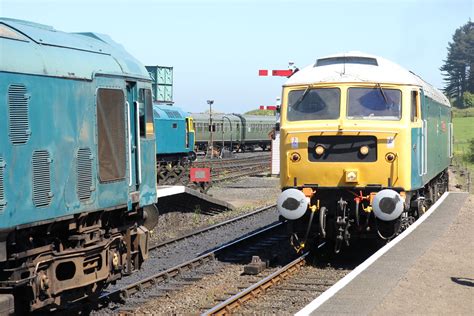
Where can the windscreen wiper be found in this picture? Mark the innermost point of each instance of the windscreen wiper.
(383, 94)
(301, 98)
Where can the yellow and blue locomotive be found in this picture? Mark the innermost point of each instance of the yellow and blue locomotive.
(77, 164)
(365, 147)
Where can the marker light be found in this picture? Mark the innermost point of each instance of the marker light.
(319, 150)
(390, 157)
(295, 157)
(364, 150)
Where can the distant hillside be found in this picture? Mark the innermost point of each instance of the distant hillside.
(260, 112)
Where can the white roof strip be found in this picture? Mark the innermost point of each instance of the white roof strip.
(361, 67)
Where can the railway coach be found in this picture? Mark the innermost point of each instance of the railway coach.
(365, 147)
(77, 164)
(241, 132)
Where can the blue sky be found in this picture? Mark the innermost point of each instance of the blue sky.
(216, 47)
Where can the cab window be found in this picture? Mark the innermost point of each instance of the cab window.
(414, 110)
(314, 104)
(146, 114)
(374, 103)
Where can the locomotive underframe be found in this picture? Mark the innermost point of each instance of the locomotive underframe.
(58, 263)
(336, 217)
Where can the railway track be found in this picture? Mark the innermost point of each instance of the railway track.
(226, 169)
(257, 289)
(221, 169)
(126, 290)
(228, 222)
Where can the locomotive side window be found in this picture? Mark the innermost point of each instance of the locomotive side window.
(10, 33)
(146, 114)
(414, 108)
(374, 103)
(314, 104)
(111, 134)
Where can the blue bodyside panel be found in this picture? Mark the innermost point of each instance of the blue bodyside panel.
(62, 120)
(430, 145)
(148, 194)
(416, 181)
(170, 130)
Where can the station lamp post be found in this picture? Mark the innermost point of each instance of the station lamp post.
(210, 146)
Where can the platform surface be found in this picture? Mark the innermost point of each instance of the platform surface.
(181, 197)
(429, 270)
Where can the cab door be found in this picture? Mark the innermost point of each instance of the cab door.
(133, 132)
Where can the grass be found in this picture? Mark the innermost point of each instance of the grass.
(463, 121)
(469, 112)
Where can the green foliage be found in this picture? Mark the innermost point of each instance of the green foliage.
(467, 112)
(470, 153)
(261, 112)
(463, 139)
(468, 99)
(458, 68)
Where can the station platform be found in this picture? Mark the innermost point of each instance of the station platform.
(426, 270)
(181, 198)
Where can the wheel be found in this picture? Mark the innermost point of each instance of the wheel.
(322, 221)
(150, 215)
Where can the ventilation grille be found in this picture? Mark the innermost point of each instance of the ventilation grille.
(156, 114)
(84, 173)
(18, 125)
(41, 178)
(172, 114)
(2, 192)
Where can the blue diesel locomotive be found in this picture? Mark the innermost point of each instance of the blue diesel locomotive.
(77, 164)
(174, 144)
(174, 130)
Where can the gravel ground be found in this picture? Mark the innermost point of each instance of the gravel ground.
(284, 299)
(246, 194)
(254, 192)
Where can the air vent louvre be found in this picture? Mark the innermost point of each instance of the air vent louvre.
(2, 192)
(18, 124)
(172, 114)
(84, 173)
(42, 194)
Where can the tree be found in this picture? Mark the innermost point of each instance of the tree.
(458, 67)
(468, 99)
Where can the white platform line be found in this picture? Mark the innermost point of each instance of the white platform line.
(364, 265)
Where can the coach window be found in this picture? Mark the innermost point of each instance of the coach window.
(111, 134)
(414, 106)
(314, 104)
(146, 114)
(375, 103)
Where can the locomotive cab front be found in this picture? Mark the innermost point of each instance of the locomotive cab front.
(354, 152)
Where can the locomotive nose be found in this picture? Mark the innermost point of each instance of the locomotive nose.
(292, 204)
(388, 205)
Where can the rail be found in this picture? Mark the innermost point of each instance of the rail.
(255, 290)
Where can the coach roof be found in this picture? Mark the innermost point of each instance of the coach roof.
(360, 67)
(33, 48)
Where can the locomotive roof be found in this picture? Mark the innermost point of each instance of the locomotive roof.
(33, 48)
(361, 67)
(169, 112)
